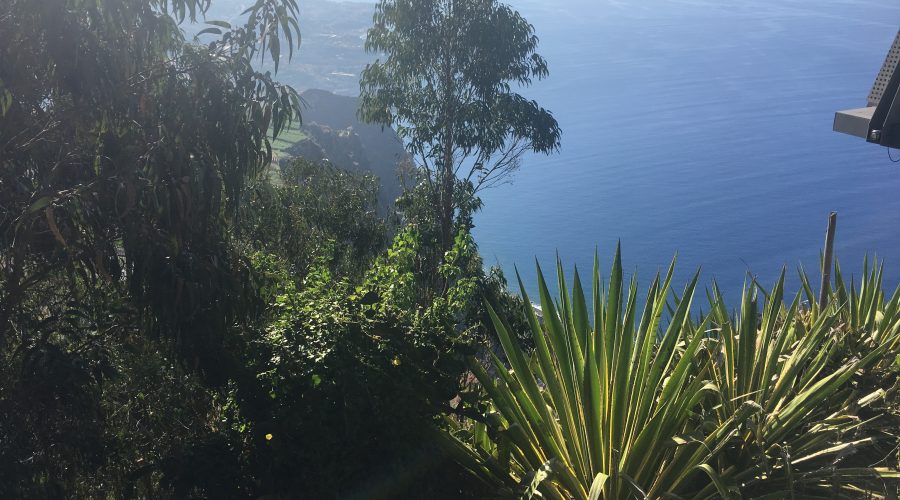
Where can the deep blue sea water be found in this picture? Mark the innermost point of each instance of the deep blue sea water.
(702, 128)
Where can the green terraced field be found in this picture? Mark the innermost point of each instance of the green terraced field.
(286, 139)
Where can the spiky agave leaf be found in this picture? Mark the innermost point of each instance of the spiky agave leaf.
(603, 403)
(621, 403)
(797, 367)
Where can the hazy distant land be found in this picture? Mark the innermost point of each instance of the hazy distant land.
(331, 55)
(326, 70)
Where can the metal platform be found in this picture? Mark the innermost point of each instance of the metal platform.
(854, 121)
(879, 122)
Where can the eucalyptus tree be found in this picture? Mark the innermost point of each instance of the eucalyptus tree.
(447, 82)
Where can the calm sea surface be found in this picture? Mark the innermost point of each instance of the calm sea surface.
(702, 128)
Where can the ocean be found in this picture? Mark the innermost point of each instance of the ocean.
(702, 129)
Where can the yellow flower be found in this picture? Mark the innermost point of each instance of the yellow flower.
(396, 361)
(268, 437)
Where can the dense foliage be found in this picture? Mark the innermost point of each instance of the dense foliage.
(124, 154)
(166, 296)
(304, 211)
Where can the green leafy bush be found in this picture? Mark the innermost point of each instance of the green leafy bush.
(311, 211)
(354, 378)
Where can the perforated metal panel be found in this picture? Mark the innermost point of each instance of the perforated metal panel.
(887, 69)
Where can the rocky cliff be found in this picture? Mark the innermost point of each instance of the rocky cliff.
(333, 133)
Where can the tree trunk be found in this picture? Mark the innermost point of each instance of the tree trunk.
(448, 178)
(447, 205)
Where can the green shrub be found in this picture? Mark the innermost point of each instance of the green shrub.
(350, 381)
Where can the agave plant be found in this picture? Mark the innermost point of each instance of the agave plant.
(795, 367)
(617, 402)
(872, 318)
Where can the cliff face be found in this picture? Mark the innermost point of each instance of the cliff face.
(333, 132)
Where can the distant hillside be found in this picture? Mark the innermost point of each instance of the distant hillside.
(331, 56)
(331, 131)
